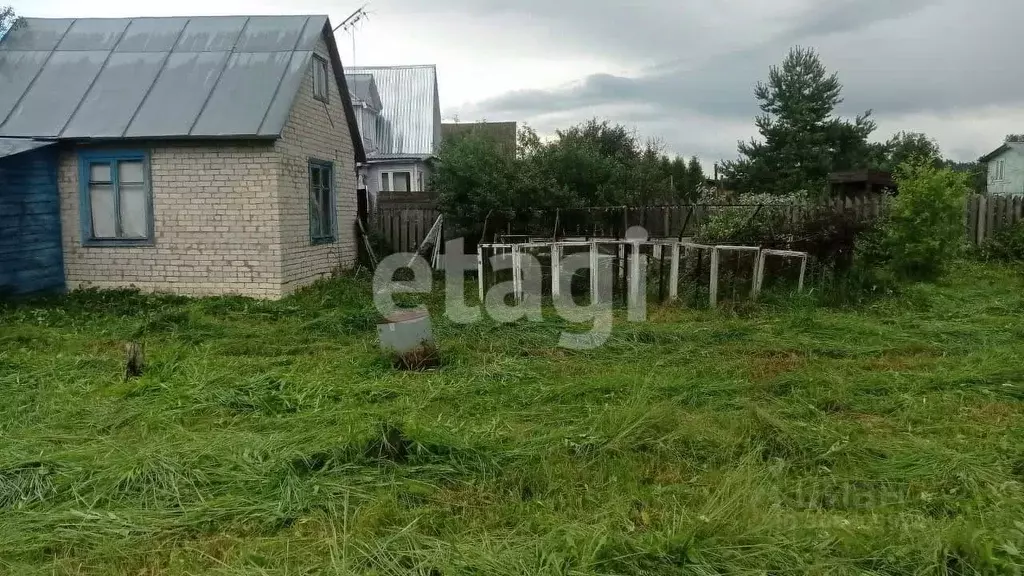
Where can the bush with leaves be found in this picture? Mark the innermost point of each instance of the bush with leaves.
(1007, 245)
(922, 229)
(596, 163)
(757, 220)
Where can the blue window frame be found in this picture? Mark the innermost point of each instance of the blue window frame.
(323, 221)
(115, 198)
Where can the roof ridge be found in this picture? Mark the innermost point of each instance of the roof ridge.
(394, 67)
(191, 16)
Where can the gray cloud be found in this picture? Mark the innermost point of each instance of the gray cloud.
(946, 58)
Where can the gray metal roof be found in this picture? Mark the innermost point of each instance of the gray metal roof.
(12, 146)
(999, 151)
(364, 90)
(411, 109)
(214, 76)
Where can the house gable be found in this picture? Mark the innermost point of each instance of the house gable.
(323, 132)
(1006, 169)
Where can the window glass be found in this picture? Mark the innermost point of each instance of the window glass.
(401, 181)
(319, 78)
(99, 172)
(130, 172)
(134, 216)
(101, 203)
(321, 213)
(116, 194)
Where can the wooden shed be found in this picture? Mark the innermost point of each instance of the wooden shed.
(859, 182)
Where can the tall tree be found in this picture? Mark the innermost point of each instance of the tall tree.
(905, 146)
(694, 179)
(977, 174)
(801, 138)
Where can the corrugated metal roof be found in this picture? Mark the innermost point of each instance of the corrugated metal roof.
(217, 76)
(12, 146)
(411, 108)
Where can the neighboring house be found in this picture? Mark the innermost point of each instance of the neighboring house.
(504, 133)
(206, 155)
(399, 115)
(1005, 169)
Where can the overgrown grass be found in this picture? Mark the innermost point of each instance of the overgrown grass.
(272, 438)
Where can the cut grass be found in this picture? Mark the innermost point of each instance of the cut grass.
(273, 438)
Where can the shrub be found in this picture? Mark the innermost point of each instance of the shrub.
(1006, 245)
(761, 220)
(768, 221)
(923, 225)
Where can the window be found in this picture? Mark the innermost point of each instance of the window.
(115, 193)
(322, 220)
(396, 181)
(320, 91)
(1000, 167)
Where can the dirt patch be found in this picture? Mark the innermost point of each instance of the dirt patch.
(769, 365)
(426, 357)
(899, 362)
(871, 421)
(994, 412)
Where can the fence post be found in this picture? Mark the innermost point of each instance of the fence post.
(673, 287)
(556, 270)
(637, 298)
(758, 274)
(713, 283)
(480, 272)
(982, 212)
(517, 295)
(593, 273)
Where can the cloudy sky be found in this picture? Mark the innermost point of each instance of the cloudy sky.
(681, 71)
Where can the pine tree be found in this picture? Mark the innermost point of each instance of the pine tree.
(801, 139)
(695, 176)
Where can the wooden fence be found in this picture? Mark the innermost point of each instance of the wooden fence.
(987, 215)
(404, 221)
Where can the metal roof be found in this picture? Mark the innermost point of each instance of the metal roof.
(364, 90)
(395, 157)
(191, 77)
(999, 151)
(411, 108)
(12, 146)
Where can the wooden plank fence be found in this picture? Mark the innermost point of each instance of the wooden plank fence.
(404, 223)
(988, 215)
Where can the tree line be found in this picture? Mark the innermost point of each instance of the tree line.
(595, 163)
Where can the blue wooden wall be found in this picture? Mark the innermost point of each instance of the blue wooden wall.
(31, 258)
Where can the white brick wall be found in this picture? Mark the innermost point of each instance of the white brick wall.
(229, 217)
(320, 131)
(216, 224)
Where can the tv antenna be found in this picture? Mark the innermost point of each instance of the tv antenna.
(349, 25)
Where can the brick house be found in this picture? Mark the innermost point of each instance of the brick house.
(201, 156)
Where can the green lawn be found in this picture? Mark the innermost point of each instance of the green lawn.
(788, 439)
